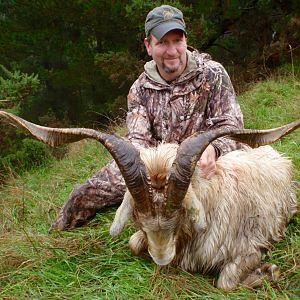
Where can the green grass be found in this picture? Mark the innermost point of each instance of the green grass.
(86, 263)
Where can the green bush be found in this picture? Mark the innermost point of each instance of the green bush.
(16, 86)
(31, 154)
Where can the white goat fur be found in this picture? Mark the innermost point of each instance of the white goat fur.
(229, 219)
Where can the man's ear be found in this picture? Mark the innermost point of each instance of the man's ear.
(148, 46)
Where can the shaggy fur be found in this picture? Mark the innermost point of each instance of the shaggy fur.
(221, 224)
(224, 224)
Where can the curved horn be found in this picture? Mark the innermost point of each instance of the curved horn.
(190, 150)
(124, 153)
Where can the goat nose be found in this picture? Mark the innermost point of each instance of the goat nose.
(162, 259)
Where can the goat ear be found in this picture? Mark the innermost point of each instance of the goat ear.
(196, 210)
(123, 214)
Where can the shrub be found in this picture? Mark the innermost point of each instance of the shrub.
(31, 154)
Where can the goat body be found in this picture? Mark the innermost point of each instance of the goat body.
(219, 224)
(225, 223)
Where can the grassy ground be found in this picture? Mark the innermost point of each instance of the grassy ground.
(87, 263)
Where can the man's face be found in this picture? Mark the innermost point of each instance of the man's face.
(169, 53)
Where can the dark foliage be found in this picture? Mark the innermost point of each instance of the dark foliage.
(87, 54)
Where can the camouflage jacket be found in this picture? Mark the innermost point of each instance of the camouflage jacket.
(201, 98)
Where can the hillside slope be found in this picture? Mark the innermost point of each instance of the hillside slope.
(87, 263)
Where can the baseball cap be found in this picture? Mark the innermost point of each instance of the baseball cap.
(163, 19)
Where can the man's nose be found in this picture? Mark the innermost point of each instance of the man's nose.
(171, 50)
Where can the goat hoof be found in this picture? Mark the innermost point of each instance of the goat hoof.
(272, 271)
(268, 272)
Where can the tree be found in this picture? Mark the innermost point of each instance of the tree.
(88, 53)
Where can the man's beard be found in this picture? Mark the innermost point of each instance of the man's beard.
(171, 70)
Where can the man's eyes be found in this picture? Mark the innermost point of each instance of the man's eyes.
(177, 41)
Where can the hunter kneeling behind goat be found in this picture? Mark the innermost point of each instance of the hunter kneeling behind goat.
(223, 224)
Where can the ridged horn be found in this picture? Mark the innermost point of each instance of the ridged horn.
(190, 150)
(124, 153)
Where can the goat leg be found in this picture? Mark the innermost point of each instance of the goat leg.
(237, 270)
(138, 244)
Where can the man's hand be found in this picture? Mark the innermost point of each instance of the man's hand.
(207, 161)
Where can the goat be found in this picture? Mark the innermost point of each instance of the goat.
(222, 224)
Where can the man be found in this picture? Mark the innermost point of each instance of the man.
(179, 93)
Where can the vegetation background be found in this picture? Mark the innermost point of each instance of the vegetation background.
(71, 63)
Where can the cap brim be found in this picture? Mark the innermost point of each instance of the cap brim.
(163, 28)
